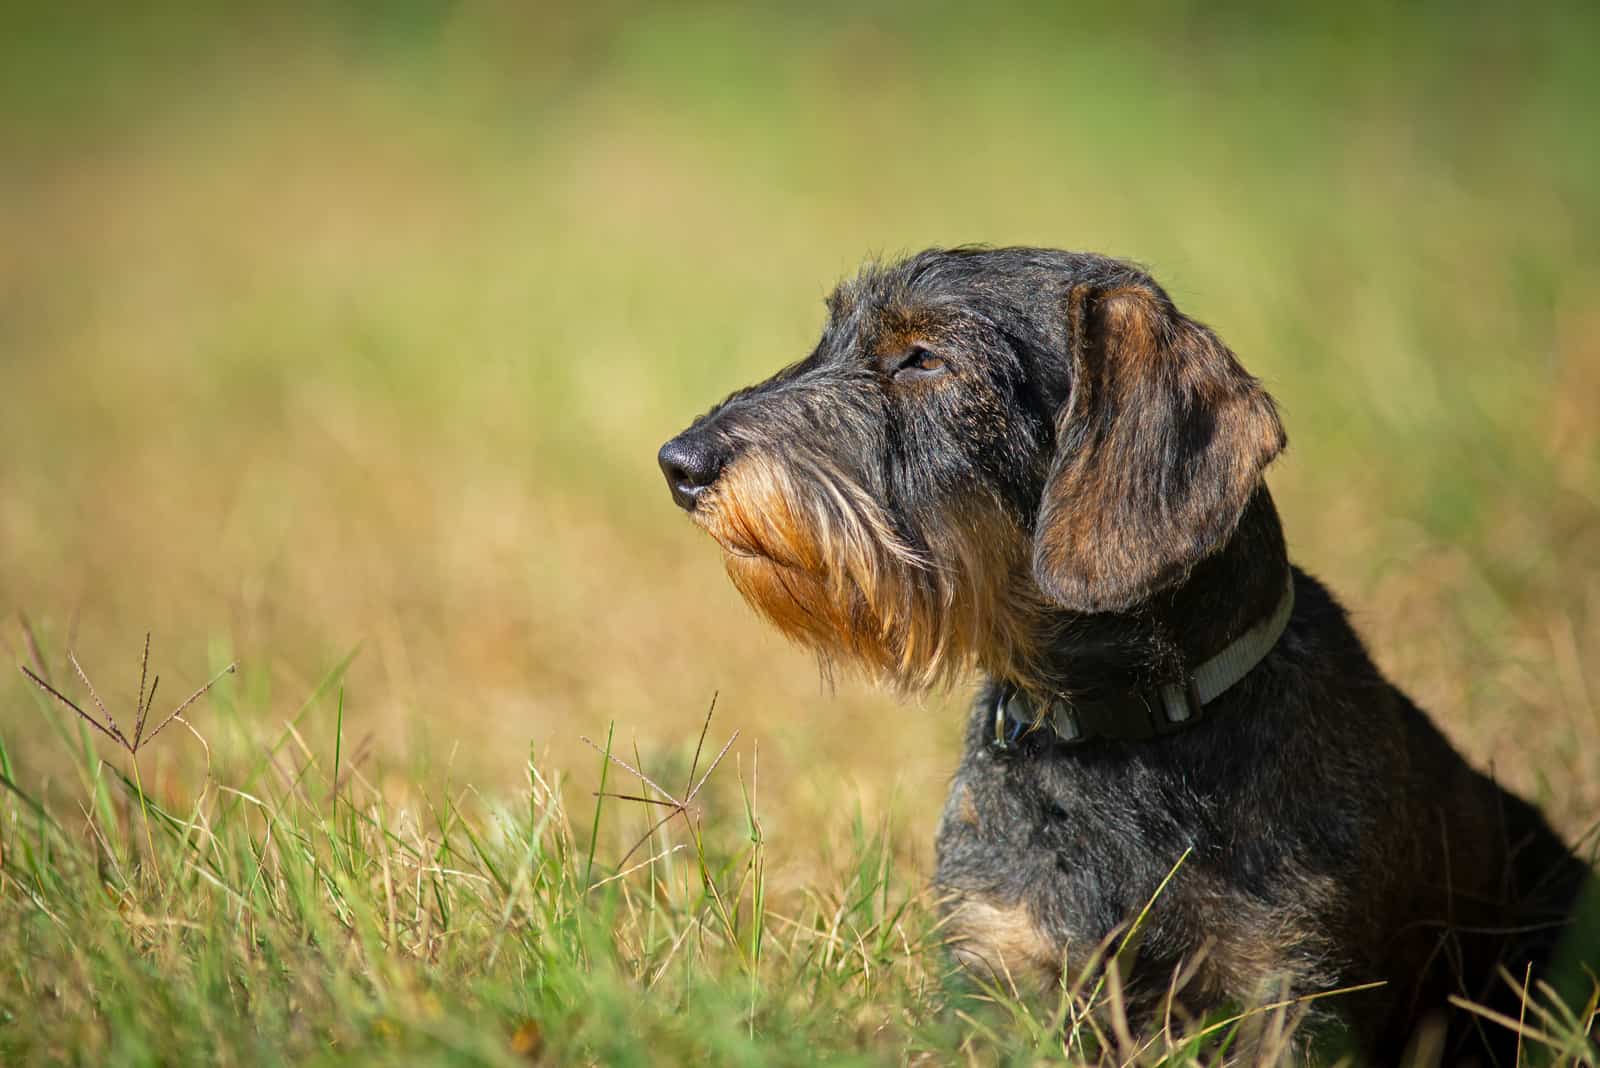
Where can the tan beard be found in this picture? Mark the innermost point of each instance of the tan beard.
(821, 562)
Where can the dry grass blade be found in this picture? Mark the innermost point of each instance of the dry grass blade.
(64, 699)
(673, 804)
(1118, 1013)
(192, 698)
(678, 808)
(640, 798)
(107, 725)
(699, 747)
(630, 769)
(31, 640)
(139, 706)
(625, 872)
(1522, 1029)
(138, 730)
(111, 722)
(734, 737)
(1522, 1007)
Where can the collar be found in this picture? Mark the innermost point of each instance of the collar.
(1148, 712)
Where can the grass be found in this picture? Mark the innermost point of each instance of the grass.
(338, 343)
(286, 913)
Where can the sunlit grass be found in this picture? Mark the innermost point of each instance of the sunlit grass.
(345, 331)
(291, 907)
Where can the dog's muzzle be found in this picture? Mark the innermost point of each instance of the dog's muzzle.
(691, 463)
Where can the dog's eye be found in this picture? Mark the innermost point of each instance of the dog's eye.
(920, 363)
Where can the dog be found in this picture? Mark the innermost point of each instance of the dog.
(1031, 465)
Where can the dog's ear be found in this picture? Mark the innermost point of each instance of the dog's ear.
(1159, 446)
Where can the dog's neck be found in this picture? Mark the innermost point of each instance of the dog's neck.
(1161, 640)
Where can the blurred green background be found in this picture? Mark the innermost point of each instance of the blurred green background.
(360, 323)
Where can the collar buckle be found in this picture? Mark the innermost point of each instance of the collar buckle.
(1180, 704)
(1148, 711)
(1145, 712)
(1011, 720)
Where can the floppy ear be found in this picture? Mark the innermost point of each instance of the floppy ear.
(1159, 446)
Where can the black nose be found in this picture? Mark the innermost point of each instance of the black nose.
(691, 463)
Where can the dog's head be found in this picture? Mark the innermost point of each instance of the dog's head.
(981, 439)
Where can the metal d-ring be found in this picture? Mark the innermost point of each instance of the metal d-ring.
(1001, 699)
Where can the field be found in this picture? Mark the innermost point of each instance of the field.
(338, 343)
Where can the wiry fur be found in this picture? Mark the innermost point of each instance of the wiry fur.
(1033, 464)
(824, 564)
(1162, 441)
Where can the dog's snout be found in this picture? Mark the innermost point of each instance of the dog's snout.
(691, 462)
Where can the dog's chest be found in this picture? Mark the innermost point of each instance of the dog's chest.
(1057, 852)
